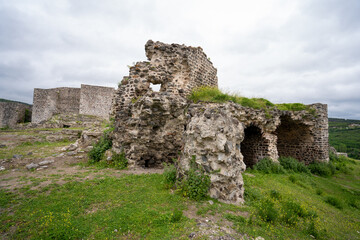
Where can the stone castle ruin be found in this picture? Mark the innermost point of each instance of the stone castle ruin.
(86, 100)
(153, 127)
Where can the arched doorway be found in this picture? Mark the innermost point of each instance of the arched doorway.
(254, 147)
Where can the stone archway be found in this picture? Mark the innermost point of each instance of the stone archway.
(294, 139)
(254, 147)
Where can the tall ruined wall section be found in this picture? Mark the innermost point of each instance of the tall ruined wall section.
(49, 102)
(96, 100)
(149, 124)
(12, 113)
(177, 68)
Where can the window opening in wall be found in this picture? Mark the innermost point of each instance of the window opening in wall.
(155, 87)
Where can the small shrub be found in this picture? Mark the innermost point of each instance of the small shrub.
(334, 202)
(267, 211)
(322, 169)
(98, 150)
(196, 184)
(119, 160)
(266, 165)
(169, 175)
(293, 165)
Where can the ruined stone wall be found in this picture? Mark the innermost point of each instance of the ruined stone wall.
(177, 68)
(12, 113)
(96, 100)
(227, 138)
(150, 133)
(155, 127)
(48, 102)
(149, 124)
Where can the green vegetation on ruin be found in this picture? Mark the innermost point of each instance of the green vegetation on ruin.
(344, 135)
(213, 94)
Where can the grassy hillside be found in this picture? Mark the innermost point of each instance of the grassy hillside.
(110, 204)
(344, 135)
(6, 100)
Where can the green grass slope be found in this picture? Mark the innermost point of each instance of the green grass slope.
(289, 205)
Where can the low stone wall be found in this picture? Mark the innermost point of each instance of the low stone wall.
(12, 113)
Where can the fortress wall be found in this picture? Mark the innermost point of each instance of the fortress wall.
(12, 113)
(48, 102)
(96, 100)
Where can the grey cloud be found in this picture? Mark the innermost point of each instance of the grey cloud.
(299, 51)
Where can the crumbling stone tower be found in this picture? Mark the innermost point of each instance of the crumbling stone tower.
(153, 127)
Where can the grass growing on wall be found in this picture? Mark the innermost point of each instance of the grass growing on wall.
(213, 94)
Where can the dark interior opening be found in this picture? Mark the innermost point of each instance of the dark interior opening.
(147, 163)
(66, 126)
(254, 147)
(294, 140)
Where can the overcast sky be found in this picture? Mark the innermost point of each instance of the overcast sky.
(286, 51)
